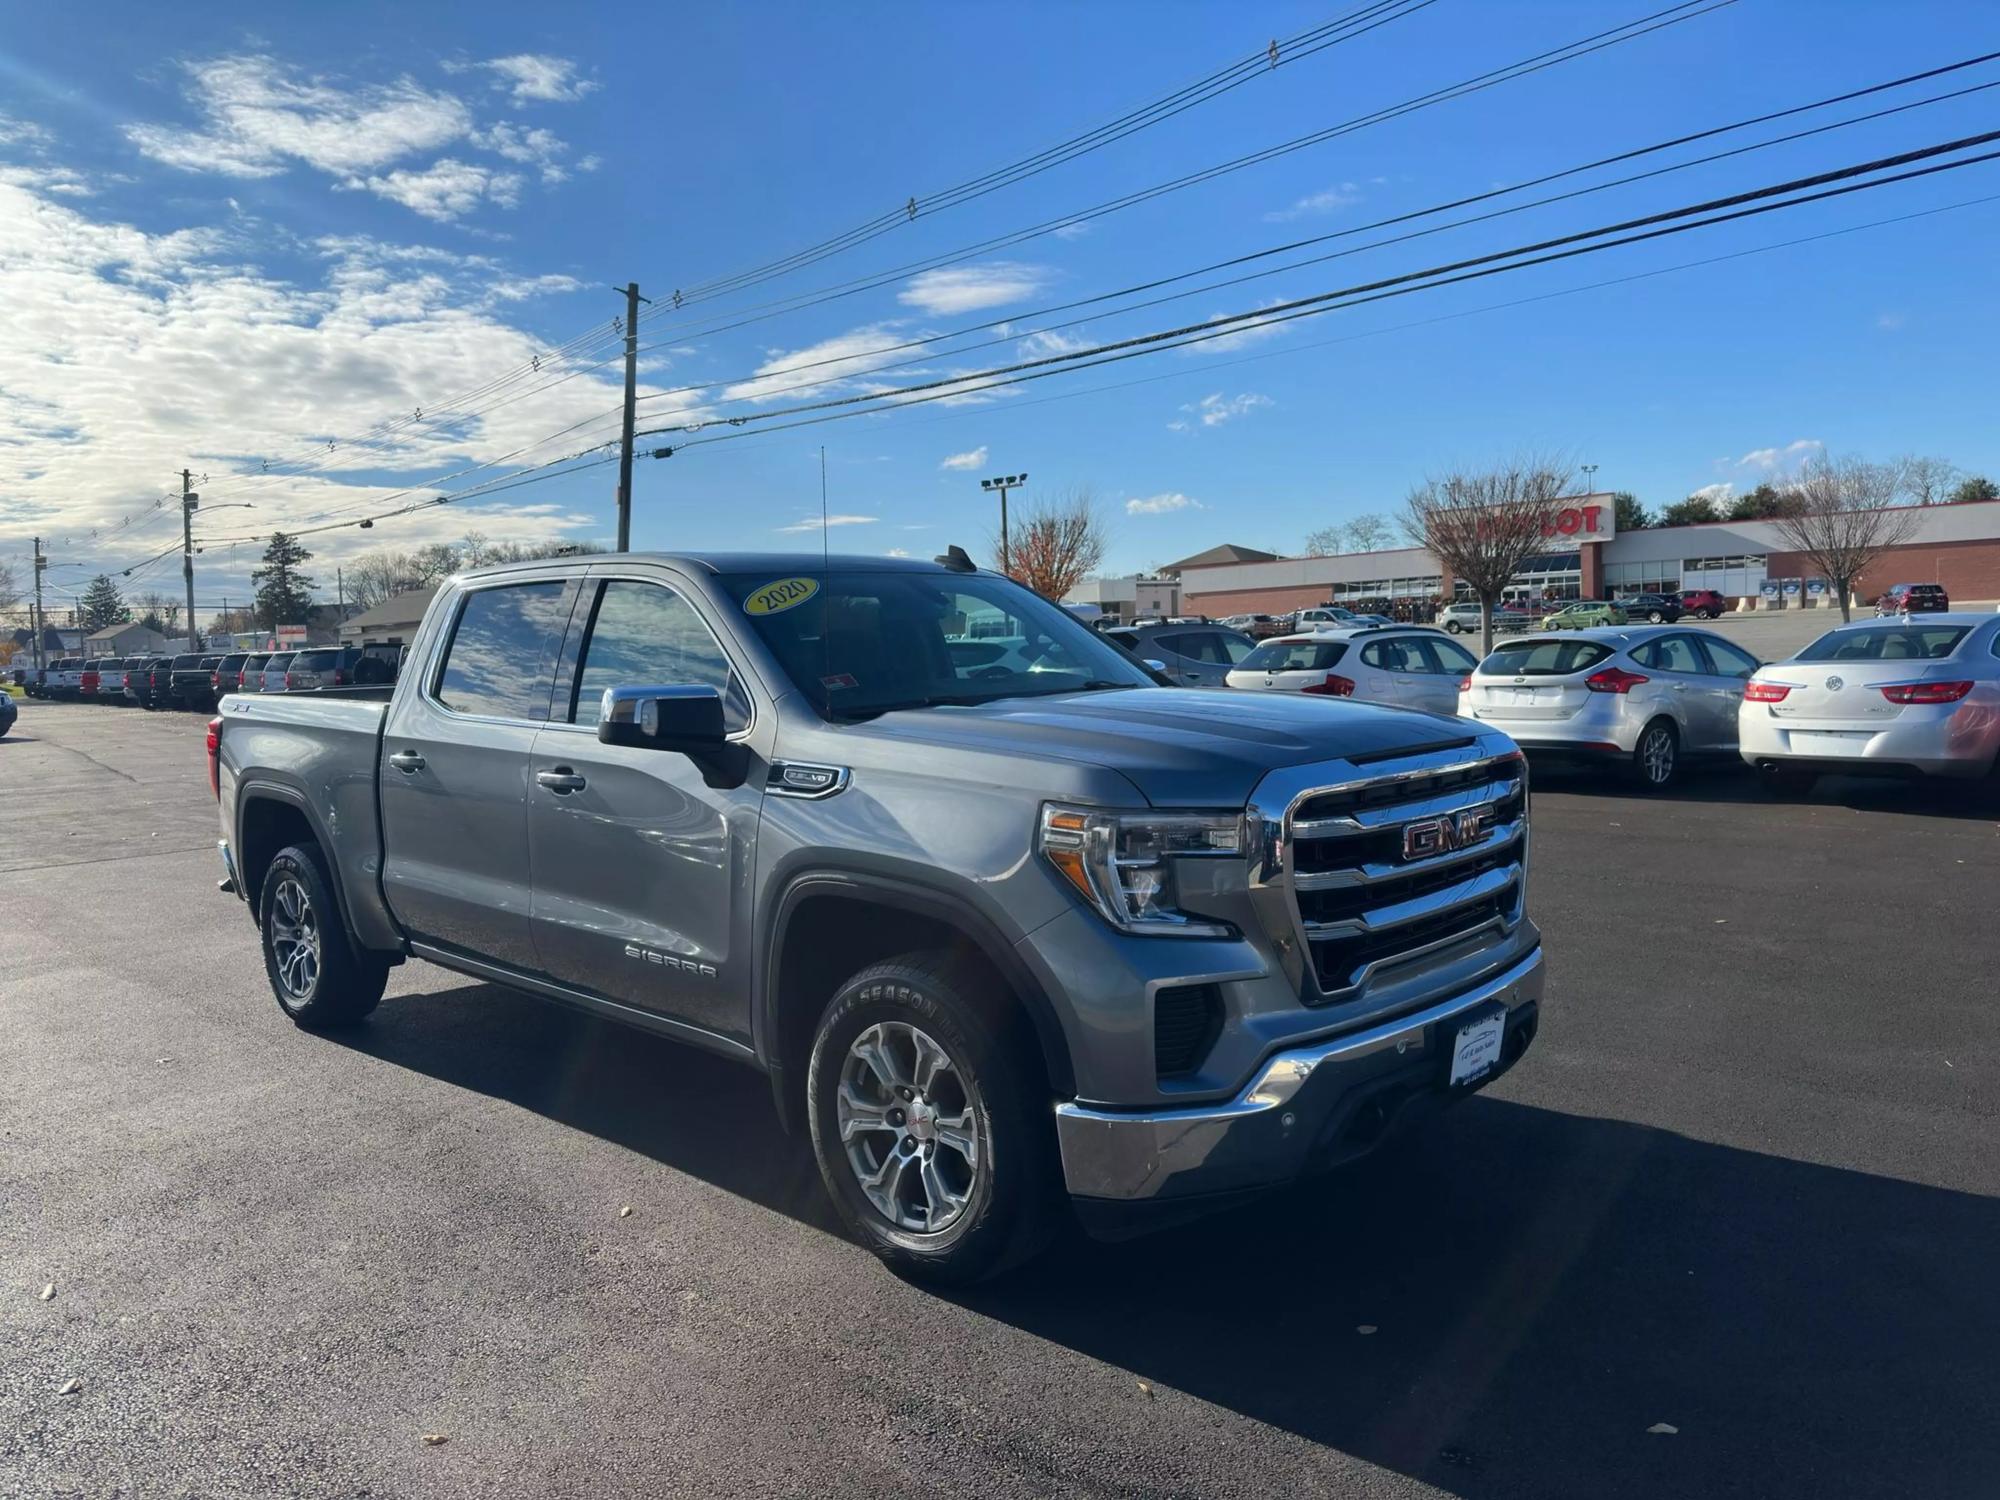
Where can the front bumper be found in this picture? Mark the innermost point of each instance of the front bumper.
(1308, 1107)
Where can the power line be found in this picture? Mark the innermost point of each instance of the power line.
(1563, 248)
(1264, 60)
(1553, 57)
(1017, 333)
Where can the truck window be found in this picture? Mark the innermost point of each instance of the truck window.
(501, 660)
(646, 635)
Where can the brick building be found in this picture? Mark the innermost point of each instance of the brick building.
(1956, 545)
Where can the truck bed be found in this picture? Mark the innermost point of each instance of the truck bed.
(322, 753)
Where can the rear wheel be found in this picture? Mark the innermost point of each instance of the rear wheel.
(1656, 761)
(318, 977)
(930, 1121)
(1656, 617)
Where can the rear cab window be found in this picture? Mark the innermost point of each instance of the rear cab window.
(1544, 658)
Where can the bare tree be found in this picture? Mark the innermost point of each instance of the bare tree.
(1928, 481)
(1835, 516)
(1483, 524)
(10, 586)
(1056, 545)
(1367, 533)
(1327, 541)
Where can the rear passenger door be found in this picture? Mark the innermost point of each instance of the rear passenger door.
(641, 869)
(1729, 667)
(454, 773)
(1675, 661)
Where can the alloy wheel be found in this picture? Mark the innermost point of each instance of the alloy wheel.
(909, 1123)
(295, 939)
(1656, 755)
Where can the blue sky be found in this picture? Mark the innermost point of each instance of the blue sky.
(226, 241)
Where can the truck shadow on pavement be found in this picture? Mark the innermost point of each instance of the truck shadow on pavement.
(1723, 781)
(1501, 1303)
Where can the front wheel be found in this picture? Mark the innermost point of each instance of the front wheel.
(1656, 617)
(930, 1121)
(1657, 759)
(318, 977)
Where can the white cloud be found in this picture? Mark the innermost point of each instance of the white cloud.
(1160, 505)
(262, 117)
(839, 359)
(812, 523)
(1325, 201)
(537, 77)
(121, 344)
(447, 189)
(1241, 335)
(1890, 322)
(897, 552)
(1046, 341)
(1772, 459)
(971, 460)
(962, 289)
(1714, 494)
(1214, 410)
(1071, 231)
(15, 131)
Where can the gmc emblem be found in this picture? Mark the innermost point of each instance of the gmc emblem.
(1441, 835)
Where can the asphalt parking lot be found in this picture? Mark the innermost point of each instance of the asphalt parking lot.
(1746, 1187)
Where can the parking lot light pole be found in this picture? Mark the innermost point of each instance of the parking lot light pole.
(1004, 483)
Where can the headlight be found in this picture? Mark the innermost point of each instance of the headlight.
(1123, 863)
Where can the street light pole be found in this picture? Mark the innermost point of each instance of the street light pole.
(1589, 478)
(1004, 483)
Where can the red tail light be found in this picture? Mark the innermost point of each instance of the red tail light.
(215, 758)
(1614, 680)
(1335, 686)
(1465, 683)
(1766, 692)
(288, 682)
(215, 682)
(1926, 692)
(340, 677)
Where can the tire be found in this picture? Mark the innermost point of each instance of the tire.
(988, 1091)
(1787, 782)
(1452, 627)
(328, 984)
(1656, 759)
(1656, 618)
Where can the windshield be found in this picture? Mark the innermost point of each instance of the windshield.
(1886, 643)
(858, 644)
(1543, 658)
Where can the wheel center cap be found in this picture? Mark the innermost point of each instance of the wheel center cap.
(921, 1119)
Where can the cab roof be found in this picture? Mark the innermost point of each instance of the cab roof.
(739, 564)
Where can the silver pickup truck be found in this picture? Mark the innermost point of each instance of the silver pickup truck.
(997, 913)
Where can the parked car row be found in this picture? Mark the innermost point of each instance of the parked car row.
(196, 681)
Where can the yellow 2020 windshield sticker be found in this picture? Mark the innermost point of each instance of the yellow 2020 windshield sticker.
(774, 598)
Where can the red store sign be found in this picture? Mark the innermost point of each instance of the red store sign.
(1588, 522)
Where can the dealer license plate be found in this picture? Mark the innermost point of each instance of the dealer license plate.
(1477, 1049)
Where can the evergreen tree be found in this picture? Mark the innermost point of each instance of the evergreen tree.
(1632, 516)
(284, 594)
(1977, 488)
(102, 605)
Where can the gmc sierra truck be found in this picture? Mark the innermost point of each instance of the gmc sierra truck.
(996, 927)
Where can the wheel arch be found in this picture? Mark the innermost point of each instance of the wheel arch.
(271, 816)
(820, 915)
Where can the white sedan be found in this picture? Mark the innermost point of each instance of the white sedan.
(1409, 667)
(1901, 697)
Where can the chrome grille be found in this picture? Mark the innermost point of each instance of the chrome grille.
(1366, 895)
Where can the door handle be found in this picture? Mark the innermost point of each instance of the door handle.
(407, 761)
(562, 781)
(1679, 687)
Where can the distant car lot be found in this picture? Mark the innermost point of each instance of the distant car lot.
(1742, 1112)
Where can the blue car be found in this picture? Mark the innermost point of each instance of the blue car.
(8, 712)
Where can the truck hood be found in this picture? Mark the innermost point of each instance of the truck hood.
(1183, 747)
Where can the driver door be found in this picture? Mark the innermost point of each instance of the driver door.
(639, 867)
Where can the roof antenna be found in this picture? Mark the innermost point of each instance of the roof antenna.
(954, 557)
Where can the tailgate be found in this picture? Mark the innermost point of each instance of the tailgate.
(1503, 698)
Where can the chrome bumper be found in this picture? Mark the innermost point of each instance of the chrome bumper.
(1307, 1106)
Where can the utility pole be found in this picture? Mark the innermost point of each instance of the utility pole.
(189, 500)
(41, 565)
(632, 301)
(1003, 484)
(339, 592)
